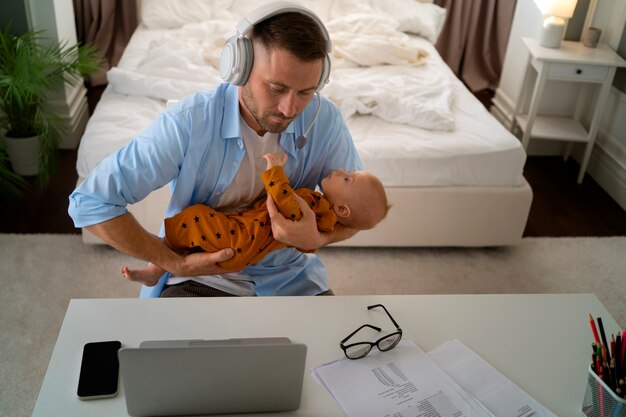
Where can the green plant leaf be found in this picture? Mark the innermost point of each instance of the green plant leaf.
(31, 68)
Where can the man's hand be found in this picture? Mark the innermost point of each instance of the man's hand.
(149, 276)
(127, 236)
(302, 234)
(202, 263)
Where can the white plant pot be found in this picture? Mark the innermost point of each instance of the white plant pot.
(23, 154)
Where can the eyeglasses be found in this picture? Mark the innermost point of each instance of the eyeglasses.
(361, 349)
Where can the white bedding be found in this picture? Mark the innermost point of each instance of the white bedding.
(423, 127)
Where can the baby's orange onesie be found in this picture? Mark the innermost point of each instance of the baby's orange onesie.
(247, 232)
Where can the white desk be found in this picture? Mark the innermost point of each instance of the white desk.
(540, 342)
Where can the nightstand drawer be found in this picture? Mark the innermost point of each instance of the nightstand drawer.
(577, 72)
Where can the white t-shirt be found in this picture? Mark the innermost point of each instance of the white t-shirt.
(246, 187)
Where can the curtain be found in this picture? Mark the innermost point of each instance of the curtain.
(108, 24)
(474, 38)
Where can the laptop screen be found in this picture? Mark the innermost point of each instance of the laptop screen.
(168, 378)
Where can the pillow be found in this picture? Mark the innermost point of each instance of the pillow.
(172, 14)
(241, 8)
(423, 19)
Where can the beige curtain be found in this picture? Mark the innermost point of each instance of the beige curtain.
(474, 38)
(108, 24)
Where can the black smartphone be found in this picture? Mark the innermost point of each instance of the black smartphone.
(99, 370)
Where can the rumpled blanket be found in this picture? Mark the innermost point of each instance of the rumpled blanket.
(376, 69)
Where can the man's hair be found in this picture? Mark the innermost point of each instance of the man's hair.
(297, 33)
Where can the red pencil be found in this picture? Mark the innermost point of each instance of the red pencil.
(593, 329)
(623, 354)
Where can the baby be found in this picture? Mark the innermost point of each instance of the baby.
(354, 199)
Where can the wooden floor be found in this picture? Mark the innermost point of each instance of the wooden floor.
(560, 206)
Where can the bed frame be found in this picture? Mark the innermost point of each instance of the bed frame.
(419, 217)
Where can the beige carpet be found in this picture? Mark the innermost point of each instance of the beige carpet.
(41, 273)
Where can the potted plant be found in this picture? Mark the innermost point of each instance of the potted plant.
(31, 67)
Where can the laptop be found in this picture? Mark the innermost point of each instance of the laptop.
(190, 377)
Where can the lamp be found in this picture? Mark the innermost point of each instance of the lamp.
(555, 13)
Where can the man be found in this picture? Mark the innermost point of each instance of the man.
(210, 148)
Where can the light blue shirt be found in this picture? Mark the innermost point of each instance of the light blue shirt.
(197, 147)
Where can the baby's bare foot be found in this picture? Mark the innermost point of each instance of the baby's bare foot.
(147, 276)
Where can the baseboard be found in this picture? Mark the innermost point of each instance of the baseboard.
(76, 122)
(71, 105)
(609, 173)
(502, 108)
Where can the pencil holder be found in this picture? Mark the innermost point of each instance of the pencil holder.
(600, 400)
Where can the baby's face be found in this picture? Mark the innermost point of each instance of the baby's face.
(340, 186)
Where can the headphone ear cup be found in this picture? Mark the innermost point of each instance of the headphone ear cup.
(247, 57)
(325, 74)
(236, 60)
(227, 59)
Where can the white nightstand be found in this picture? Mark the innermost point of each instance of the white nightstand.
(571, 62)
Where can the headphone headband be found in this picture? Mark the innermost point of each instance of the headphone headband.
(237, 55)
(268, 10)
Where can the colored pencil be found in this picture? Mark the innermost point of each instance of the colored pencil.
(623, 354)
(604, 342)
(592, 323)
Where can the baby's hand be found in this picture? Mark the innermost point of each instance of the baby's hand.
(274, 160)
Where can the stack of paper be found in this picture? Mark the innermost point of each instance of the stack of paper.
(407, 382)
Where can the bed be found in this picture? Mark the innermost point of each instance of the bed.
(452, 173)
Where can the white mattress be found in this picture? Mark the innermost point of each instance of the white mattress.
(479, 152)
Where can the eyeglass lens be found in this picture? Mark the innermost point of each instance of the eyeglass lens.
(360, 350)
(389, 342)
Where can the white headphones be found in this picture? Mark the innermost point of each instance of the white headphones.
(237, 55)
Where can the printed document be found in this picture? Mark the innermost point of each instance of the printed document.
(402, 382)
(499, 394)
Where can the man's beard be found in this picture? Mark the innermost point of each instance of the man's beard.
(264, 119)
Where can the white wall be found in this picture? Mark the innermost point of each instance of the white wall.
(56, 18)
(608, 161)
